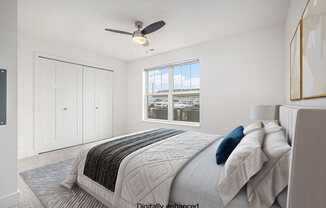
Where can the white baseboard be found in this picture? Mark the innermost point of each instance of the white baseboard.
(26, 153)
(9, 200)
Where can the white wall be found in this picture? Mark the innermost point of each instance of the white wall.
(295, 11)
(235, 72)
(28, 45)
(9, 194)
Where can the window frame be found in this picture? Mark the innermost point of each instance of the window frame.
(170, 93)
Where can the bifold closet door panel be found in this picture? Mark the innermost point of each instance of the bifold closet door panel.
(104, 104)
(97, 104)
(72, 104)
(89, 133)
(48, 94)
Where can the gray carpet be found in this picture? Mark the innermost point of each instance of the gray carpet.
(45, 183)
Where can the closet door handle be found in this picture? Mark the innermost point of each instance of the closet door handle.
(96, 108)
(64, 108)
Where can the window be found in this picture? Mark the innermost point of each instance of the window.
(172, 92)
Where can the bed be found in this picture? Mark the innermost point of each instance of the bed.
(192, 179)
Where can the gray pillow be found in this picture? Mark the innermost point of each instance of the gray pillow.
(263, 188)
(244, 162)
(253, 127)
(282, 198)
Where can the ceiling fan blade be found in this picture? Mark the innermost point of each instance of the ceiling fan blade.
(153, 27)
(146, 44)
(119, 31)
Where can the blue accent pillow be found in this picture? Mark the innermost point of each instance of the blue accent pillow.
(228, 145)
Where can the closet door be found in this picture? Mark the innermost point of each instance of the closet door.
(97, 104)
(48, 102)
(58, 105)
(104, 104)
(72, 104)
(89, 133)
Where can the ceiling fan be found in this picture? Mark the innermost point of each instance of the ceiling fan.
(139, 36)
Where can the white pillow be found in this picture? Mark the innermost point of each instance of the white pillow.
(272, 126)
(253, 127)
(265, 186)
(244, 162)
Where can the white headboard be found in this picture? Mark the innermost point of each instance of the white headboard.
(288, 118)
(306, 128)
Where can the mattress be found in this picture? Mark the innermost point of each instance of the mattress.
(197, 183)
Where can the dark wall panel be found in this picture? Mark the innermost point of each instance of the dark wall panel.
(3, 97)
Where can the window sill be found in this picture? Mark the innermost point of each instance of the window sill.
(180, 123)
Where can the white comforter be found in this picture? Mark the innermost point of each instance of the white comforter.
(146, 175)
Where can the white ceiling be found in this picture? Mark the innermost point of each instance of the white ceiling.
(188, 22)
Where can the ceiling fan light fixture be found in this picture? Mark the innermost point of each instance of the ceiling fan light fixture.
(139, 38)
